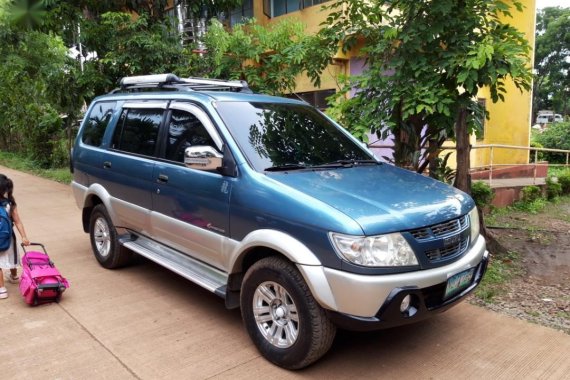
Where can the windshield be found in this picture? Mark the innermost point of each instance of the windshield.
(274, 135)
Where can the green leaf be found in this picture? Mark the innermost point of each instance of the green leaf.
(462, 76)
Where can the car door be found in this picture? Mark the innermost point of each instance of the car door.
(130, 161)
(190, 207)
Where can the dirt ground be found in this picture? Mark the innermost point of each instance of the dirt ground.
(540, 293)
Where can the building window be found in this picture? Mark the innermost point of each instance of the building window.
(241, 13)
(317, 99)
(274, 8)
(310, 3)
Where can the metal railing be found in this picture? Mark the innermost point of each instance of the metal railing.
(492, 149)
(535, 164)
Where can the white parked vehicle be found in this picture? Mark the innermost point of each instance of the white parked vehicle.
(547, 117)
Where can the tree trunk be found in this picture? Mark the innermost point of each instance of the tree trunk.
(463, 178)
(493, 244)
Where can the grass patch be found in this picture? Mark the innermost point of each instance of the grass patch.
(496, 217)
(23, 164)
(500, 271)
(563, 314)
(559, 208)
(533, 207)
(517, 215)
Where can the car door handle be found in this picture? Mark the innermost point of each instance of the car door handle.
(162, 178)
(107, 164)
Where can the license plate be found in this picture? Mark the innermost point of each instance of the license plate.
(458, 282)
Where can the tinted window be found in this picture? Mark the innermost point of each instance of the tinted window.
(137, 131)
(96, 123)
(185, 130)
(272, 134)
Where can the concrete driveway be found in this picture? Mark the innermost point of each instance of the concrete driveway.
(143, 322)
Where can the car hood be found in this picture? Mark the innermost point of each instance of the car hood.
(380, 198)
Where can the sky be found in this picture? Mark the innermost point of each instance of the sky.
(552, 3)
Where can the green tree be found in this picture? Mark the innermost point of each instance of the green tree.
(426, 62)
(552, 61)
(127, 47)
(268, 58)
(43, 91)
(40, 92)
(32, 67)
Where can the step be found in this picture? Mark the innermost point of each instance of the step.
(196, 271)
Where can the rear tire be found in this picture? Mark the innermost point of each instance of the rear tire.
(282, 318)
(106, 248)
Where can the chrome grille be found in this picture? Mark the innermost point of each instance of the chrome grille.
(421, 234)
(452, 250)
(441, 229)
(450, 237)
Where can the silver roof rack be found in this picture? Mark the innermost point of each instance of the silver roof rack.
(172, 82)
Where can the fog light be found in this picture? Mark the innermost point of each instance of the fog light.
(405, 304)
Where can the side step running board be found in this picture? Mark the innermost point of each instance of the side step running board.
(196, 271)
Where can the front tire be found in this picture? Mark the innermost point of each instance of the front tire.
(282, 318)
(106, 248)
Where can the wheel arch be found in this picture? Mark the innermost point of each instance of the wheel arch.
(95, 195)
(274, 242)
(266, 243)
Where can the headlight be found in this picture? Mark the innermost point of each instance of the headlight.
(390, 250)
(474, 221)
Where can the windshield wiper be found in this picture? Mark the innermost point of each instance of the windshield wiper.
(347, 163)
(285, 167)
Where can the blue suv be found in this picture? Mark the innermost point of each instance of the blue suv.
(271, 205)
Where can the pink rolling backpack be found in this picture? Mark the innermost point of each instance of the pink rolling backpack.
(41, 281)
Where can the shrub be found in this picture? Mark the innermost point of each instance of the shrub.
(482, 194)
(59, 157)
(556, 136)
(531, 193)
(532, 201)
(564, 181)
(553, 188)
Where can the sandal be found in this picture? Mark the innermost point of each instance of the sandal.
(3, 293)
(13, 280)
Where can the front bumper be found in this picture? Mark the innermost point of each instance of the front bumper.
(360, 302)
(424, 303)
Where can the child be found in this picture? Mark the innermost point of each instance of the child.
(9, 259)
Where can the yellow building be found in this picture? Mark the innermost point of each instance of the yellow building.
(509, 122)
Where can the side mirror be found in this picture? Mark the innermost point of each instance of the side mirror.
(202, 157)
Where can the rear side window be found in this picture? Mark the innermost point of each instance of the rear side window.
(137, 131)
(96, 123)
(185, 130)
